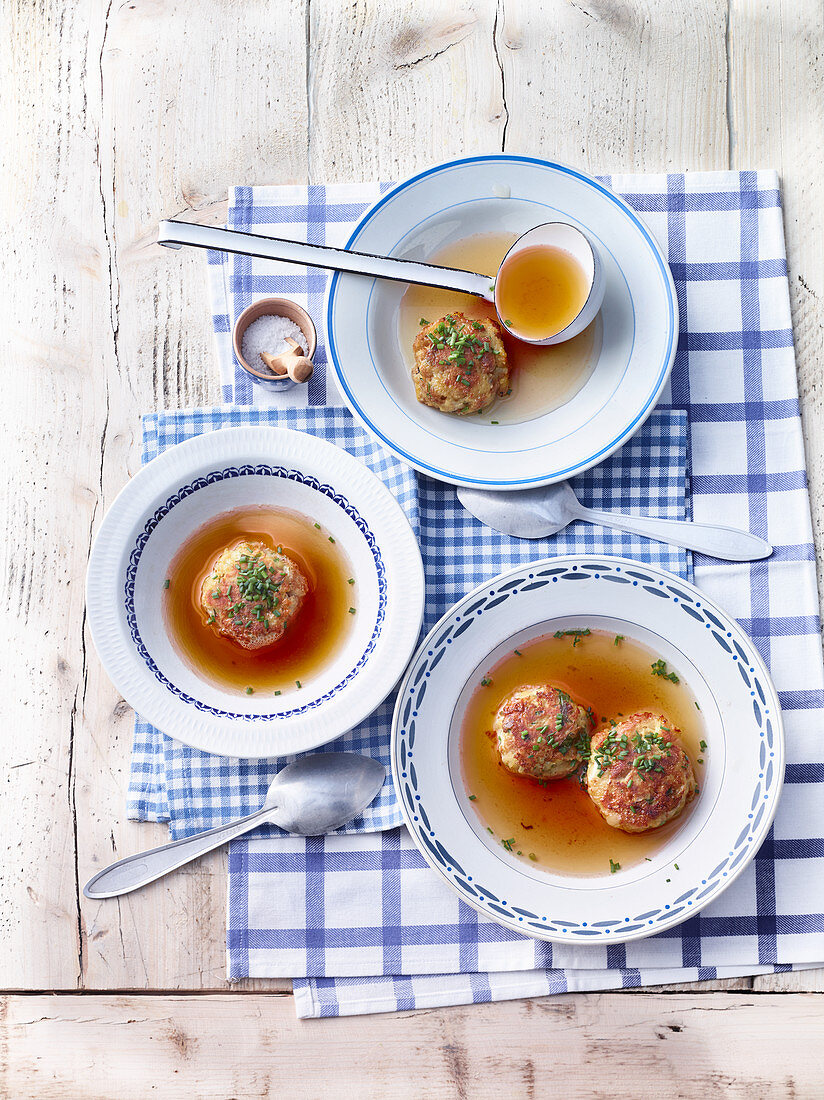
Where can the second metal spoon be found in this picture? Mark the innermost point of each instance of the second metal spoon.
(314, 795)
(537, 513)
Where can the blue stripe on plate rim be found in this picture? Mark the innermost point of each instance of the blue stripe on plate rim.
(625, 434)
(727, 635)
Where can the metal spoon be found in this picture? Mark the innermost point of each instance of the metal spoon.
(562, 235)
(536, 513)
(314, 795)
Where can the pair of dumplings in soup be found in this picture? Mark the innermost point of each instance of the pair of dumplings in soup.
(637, 773)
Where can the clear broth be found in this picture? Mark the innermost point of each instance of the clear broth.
(540, 291)
(543, 378)
(313, 636)
(557, 827)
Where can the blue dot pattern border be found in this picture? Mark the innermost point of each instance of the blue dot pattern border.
(210, 479)
(464, 620)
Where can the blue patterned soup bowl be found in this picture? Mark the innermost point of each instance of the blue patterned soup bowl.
(279, 477)
(621, 637)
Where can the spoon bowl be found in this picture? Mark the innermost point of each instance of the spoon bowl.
(314, 795)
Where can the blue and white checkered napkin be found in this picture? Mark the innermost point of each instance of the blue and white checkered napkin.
(360, 921)
(196, 790)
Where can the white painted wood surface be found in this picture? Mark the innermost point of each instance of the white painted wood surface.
(115, 114)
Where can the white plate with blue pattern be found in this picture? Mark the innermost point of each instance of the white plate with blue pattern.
(219, 472)
(744, 765)
(460, 199)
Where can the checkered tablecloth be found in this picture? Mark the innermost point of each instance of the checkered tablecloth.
(195, 790)
(361, 918)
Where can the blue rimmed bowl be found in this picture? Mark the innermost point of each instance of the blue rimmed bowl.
(741, 782)
(463, 198)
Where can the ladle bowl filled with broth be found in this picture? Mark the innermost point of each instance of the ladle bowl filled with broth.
(587, 749)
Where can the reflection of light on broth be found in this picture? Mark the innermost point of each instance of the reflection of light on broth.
(314, 635)
(543, 378)
(558, 823)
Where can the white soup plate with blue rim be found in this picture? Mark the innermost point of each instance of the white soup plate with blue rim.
(215, 473)
(464, 198)
(743, 767)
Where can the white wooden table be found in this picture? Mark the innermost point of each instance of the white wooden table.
(116, 113)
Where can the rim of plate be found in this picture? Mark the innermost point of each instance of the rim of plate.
(350, 491)
(627, 430)
(461, 874)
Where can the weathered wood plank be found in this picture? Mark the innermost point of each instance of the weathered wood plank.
(171, 141)
(399, 86)
(615, 87)
(54, 310)
(647, 1045)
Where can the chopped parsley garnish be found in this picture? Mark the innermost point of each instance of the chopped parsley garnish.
(250, 691)
(508, 843)
(618, 639)
(351, 580)
(576, 634)
(277, 693)
(660, 669)
(473, 798)
(317, 527)
(485, 682)
(613, 867)
(647, 750)
(423, 321)
(166, 583)
(518, 653)
(351, 611)
(331, 539)
(702, 745)
(297, 683)
(677, 868)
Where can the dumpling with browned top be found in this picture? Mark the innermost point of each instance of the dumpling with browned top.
(542, 732)
(253, 594)
(638, 774)
(460, 365)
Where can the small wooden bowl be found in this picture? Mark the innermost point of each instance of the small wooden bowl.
(278, 307)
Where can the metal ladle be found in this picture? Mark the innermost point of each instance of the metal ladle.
(314, 795)
(175, 234)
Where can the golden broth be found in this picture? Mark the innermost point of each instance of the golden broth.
(542, 378)
(540, 291)
(313, 636)
(557, 827)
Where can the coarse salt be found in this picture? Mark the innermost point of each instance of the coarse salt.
(268, 333)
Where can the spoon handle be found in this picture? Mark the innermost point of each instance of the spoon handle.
(174, 234)
(138, 870)
(727, 543)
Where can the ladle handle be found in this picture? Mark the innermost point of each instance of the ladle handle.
(728, 543)
(174, 234)
(139, 870)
